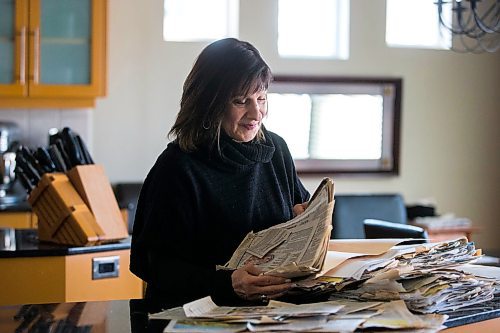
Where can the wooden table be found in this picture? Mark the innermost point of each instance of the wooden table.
(128, 316)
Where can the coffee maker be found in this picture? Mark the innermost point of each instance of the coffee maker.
(10, 191)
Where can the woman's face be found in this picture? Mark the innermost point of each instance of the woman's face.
(244, 116)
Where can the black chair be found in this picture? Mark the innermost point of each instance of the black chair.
(383, 229)
(127, 195)
(351, 210)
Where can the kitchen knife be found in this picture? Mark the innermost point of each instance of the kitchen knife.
(30, 158)
(56, 157)
(42, 155)
(85, 152)
(72, 146)
(62, 151)
(24, 179)
(28, 169)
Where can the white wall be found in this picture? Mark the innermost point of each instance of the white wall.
(451, 105)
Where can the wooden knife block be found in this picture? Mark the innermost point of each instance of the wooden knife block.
(77, 208)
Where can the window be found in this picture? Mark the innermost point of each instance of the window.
(412, 24)
(200, 20)
(338, 125)
(313, 28)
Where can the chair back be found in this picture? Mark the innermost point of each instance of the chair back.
(351, 210)
(127, 195)
(383, 229)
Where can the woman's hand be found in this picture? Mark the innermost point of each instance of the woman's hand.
(249, 283)
(299, 208)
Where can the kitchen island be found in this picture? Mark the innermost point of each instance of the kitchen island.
(33, 272)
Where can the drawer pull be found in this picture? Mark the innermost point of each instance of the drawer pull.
(105, 267)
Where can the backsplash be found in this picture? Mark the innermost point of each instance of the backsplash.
(34, 124)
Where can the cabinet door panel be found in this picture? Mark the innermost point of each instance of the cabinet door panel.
(13, 23)
(66, 19)
(65, 43)
(7, 41)
(64, 64)
(7, 63)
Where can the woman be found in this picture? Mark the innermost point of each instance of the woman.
(223, 176)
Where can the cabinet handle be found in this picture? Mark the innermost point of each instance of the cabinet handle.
(22, 55)
(36, 61)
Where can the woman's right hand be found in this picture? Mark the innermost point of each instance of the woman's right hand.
(250, 284)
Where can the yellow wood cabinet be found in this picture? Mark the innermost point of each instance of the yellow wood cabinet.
(18, 220)
(54, 53)
(68, 278)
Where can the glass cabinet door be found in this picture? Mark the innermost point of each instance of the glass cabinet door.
(13, 32)
(52, 52)
(65, 42)
(7, 41)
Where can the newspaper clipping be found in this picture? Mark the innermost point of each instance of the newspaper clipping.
(295, 248)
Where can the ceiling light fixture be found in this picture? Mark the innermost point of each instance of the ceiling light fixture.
(474, 23)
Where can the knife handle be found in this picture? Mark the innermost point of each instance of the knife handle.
(57, 158)
(42, 155)
(85, 152)
(30, 158)
(64, 154)
(29, 170)
(71, 145)
(25, 181)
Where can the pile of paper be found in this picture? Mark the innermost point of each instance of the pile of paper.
(428, 277)
(334, 316)
(442, 222)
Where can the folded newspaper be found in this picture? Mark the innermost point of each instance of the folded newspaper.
(295, 248)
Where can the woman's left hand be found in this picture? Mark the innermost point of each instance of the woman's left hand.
(250, 284)
(299, 208)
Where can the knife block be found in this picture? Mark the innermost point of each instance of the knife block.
(91, 182)
(77, 208)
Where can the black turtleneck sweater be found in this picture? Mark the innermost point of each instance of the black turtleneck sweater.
(195, 208)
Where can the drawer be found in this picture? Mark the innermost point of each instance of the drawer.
(96, 276)
(17, 220)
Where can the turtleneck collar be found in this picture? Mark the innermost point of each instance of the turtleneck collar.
(239, 155)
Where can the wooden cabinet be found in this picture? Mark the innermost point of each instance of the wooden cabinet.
(18, 220)
(67, 278)
(53, 53)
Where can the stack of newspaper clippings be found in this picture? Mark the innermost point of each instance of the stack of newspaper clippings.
(204, 315)
(371, 283)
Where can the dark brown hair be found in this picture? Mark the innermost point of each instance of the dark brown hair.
(224, 69)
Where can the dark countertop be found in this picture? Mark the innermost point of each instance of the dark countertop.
(27, 245)
(21, 206)
(129, 316)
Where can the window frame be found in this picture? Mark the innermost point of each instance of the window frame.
(321, 166)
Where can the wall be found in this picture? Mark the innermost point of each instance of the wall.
(451, 105)
(34, 124)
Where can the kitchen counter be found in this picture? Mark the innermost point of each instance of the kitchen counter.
(34, 272)
(27, 245)
(130, 316)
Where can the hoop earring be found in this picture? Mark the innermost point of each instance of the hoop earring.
(205, 125)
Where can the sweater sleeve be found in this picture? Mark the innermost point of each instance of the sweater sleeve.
(164, 251)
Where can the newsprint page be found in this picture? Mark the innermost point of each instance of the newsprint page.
(295, 248)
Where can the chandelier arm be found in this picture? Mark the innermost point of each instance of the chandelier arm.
(480, 20)
(493, 46)
(462, 29)
(477, 49)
